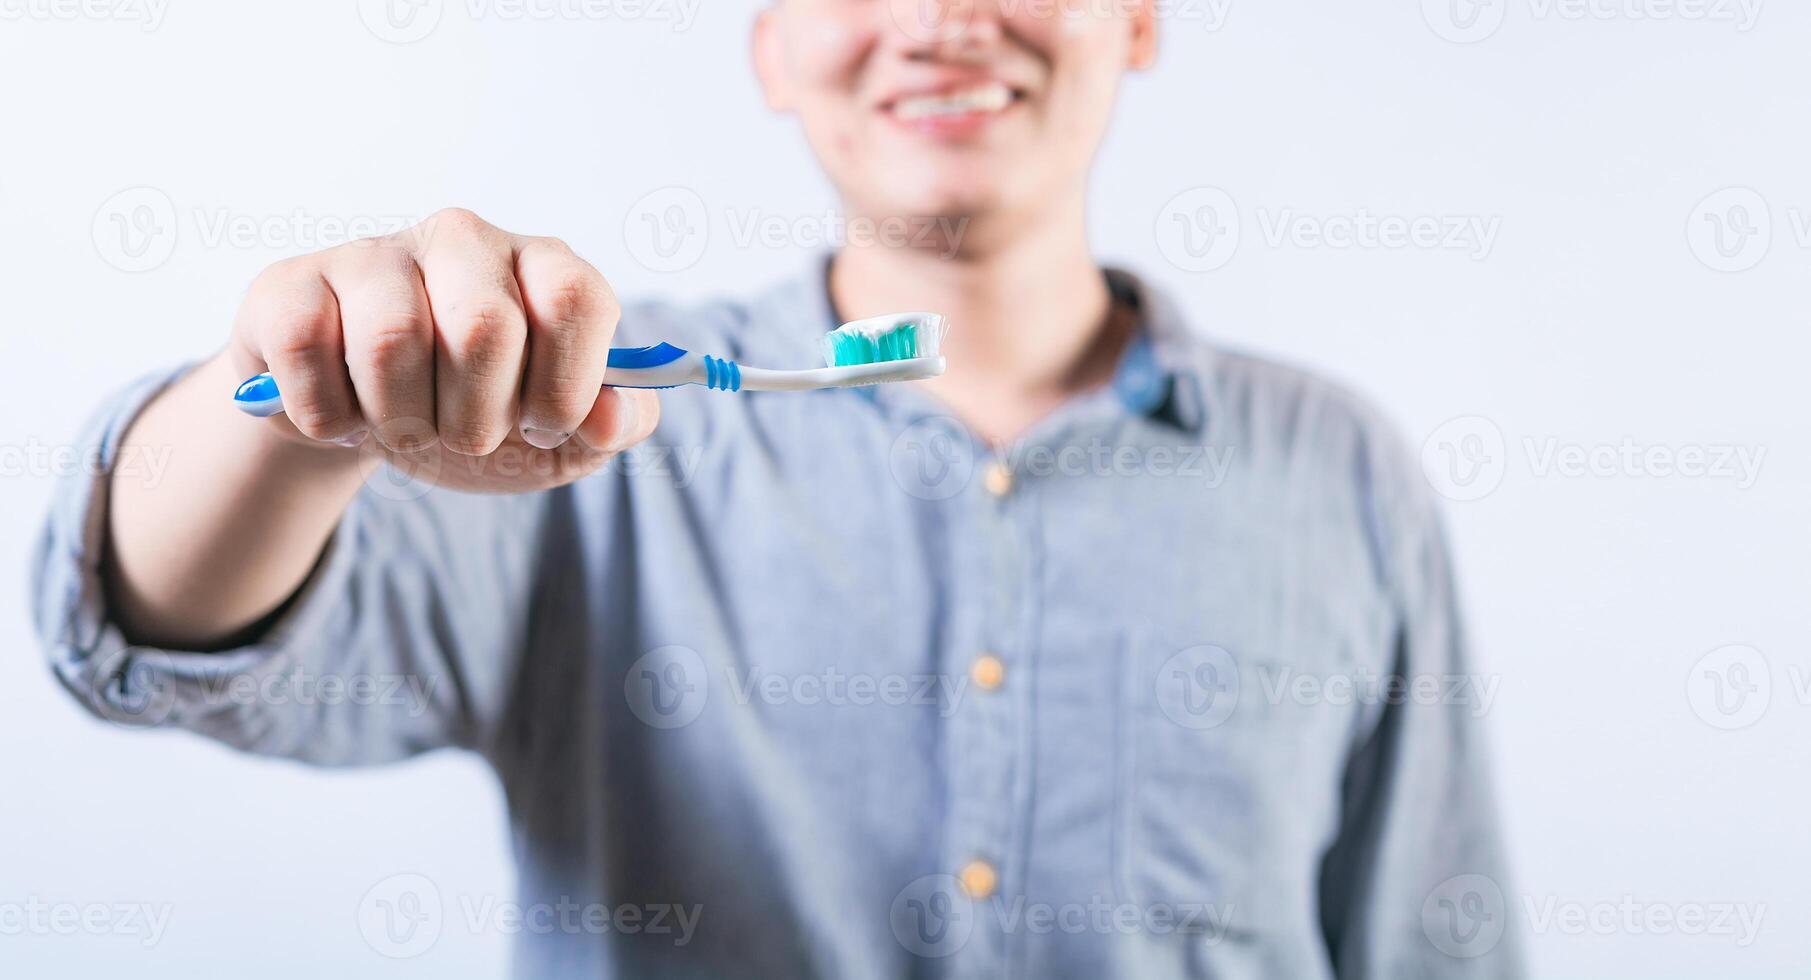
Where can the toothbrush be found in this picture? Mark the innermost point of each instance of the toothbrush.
(878, 350)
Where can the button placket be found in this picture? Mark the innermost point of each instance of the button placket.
(988, 743)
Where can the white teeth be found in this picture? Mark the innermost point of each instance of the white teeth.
(982, 98)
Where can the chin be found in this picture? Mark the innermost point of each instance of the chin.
(961, 190)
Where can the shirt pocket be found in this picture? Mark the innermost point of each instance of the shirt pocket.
(1221, 785)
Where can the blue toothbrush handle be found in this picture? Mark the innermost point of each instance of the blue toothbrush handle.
(658, 366)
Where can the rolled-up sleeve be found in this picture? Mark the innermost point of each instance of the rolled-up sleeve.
(403, 639)
(1416, 884)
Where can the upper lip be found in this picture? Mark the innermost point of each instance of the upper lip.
(946, 87)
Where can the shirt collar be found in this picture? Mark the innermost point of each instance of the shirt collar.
(1161, 374)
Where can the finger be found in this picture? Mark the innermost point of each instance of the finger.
(572, 315)
(296, 320)
(480, 331)
(619, 418)
(389, 338)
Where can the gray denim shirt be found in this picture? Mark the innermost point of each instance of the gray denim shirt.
(1174, 686)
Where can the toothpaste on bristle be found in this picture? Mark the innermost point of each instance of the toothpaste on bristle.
(882, 339)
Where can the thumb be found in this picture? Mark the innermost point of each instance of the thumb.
(620, 418)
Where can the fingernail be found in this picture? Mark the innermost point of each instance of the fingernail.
(354, 440)
(545, 438)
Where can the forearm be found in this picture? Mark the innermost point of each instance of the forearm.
(233, 523)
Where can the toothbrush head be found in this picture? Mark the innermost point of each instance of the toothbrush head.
(877, 340)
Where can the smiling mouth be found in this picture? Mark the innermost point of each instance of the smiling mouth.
(985, 99)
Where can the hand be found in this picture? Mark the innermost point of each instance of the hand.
(472, 357)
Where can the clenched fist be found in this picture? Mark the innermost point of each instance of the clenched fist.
(471, 356)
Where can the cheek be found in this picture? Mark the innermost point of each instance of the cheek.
(1062, 25)
(826, 42)
(1085, 53)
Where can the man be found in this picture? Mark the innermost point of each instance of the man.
(992, 675)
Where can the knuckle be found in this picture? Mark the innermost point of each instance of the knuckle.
(460, 221)
(317, 421)
(577, 295)
(486, 333)
(472, 437)
(486, 319)
(297, 330)
(386, 253)
(283, 273)
(398, 341)
(564, 398)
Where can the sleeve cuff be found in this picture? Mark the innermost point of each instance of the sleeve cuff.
(141, 686)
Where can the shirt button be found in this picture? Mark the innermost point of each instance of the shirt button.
(998, 479)
(979, 879)
(987, 672)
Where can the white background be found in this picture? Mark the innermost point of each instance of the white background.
(1602, 315)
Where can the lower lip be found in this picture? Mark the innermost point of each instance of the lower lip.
(954, 125)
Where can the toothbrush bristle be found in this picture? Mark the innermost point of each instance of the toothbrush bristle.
(884, 339)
